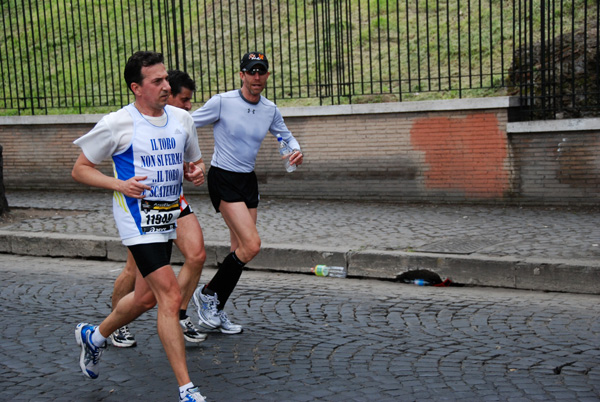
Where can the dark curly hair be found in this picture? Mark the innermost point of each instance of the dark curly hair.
(133, 68)
(179, 79)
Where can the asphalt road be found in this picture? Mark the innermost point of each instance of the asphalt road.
(306, 338)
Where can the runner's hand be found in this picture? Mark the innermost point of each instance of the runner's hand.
(133, 187)
(195, 174)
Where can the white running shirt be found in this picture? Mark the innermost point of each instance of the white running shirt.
(145, 146)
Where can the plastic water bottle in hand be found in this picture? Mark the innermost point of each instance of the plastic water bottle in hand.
(286, 152)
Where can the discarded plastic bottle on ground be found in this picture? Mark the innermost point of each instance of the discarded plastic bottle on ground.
(285, 150)
(419, 282)
(325, 270)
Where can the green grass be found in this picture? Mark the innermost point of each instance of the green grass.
(68, 57)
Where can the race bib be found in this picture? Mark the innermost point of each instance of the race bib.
(159, 216)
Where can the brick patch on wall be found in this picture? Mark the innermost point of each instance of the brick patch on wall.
(468, 154)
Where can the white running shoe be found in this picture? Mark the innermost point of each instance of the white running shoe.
(190, 333)
(122, 338)
(227, 327)
(89, 358)
(192, 395)
(206, 307)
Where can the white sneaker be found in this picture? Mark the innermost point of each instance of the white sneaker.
(206, 307)
(122, 338)
(192, 395)
(190, 333)
(227, 327)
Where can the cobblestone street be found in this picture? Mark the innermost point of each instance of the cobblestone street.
(306, 338)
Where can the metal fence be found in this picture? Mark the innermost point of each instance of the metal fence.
(556, 63)
(68, 57)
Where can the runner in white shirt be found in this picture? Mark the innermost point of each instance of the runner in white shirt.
(241, 120)
(148, 157)
(190, 239)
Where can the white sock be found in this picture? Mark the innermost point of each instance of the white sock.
(184, 388)
(97, 338)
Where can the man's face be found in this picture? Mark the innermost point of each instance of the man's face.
(154, 90)
(254, 82)
(183, 99)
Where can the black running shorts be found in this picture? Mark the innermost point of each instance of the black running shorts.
(227, 186)
(186, 211)
(152, 256)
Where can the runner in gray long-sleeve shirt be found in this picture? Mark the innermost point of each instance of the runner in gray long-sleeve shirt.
(241, 120)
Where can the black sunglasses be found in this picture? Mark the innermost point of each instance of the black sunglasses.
(260, 71)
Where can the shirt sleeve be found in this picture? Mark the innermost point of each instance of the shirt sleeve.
(209, 113)
(192, 147)
(99, 143)
(278, 127)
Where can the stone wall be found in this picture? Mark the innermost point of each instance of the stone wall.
(429, 151)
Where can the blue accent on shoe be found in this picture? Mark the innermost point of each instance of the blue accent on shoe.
(89, 357)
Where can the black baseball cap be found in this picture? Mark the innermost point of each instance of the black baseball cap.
(253, 59)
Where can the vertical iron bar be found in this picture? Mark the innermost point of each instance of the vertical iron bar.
(8, 67)
(572, 84)
(173, 41)
(459, 50)
(305, 52)
(439, 54)
(222, 52)
(543, 62)
(408, 65)
(104, 61)
(75, 53)
(184, 27)
(531, 55)
(370, 48)
(469, 45)
(379, 47)
(290, 77)
(97, 53)
(231, 45)
(448, 62)
(328, 50)
(207, 62)
(428, 45)
(492, 43)
(349, 51)
(399, 51)
(585, 52)
(199, 78)
(317, 52)
(90, 58)
(62, 30)
(502, 82)
(553, 53)
(118, 80)
(597, 57)
(360, 46)
(281, 58)
(25, 95)
(41, 61)
(389, 51)
(216, 59)
(418, 28)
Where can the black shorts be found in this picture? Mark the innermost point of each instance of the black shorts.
(227, 186)
(185, 212)
(152, 256)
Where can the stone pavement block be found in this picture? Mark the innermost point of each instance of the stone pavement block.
(294, 258)
(576, 277)
(115, 250)
(57, 245)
